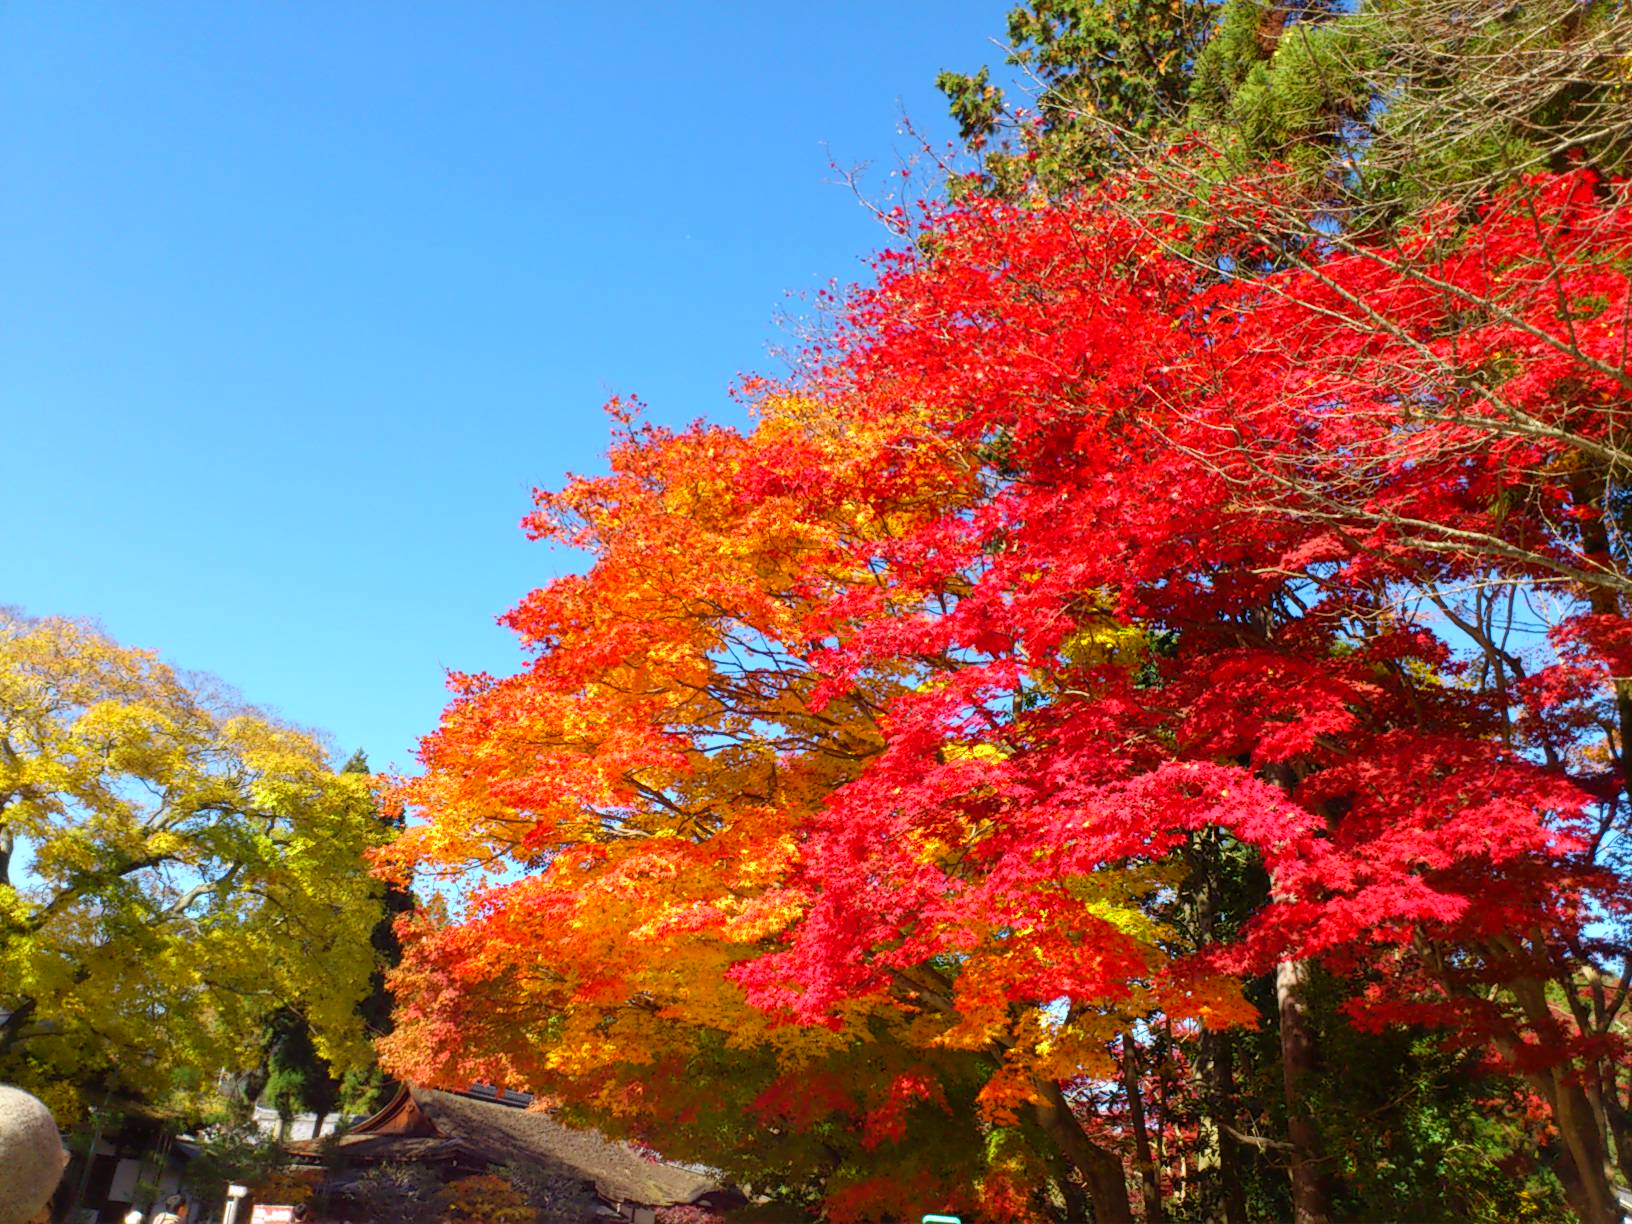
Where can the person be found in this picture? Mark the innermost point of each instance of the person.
(32, 1155)
(175, 1211)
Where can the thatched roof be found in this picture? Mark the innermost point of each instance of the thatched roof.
(426, 1126)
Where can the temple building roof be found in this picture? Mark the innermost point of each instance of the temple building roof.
(424, 1126)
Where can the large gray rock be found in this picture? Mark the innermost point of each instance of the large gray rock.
(31, 1156)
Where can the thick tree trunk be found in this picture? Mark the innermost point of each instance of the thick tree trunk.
(1218, 1156)
(1101, 1170)
(1619, 1121)
(1310, 1201)
(1223, 1196)
(1150, 1181)
(1586, 1180)
(1588, 1189)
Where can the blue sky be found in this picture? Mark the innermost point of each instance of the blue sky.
(299, 301)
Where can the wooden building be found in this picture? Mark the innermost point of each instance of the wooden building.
(424, 1136)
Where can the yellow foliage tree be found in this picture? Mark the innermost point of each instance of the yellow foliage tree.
(173, 866)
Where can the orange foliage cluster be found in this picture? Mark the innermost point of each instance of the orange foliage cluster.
(836, 820)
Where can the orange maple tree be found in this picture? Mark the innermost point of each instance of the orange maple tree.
(848, 799)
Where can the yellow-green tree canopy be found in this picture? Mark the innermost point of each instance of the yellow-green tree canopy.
(173, 866)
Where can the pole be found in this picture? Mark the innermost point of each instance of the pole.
(90, 1152)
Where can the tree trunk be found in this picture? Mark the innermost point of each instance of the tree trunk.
(1310, 1201)
(1219, 1156)
(1181, 1181)
(1589, 1191)
(1076, 1202)
(1588, 485)
(1587, 1179)
(1619, 1121)
(1101, 1170)
(14, 1025)
(1149, 1180)
(1585, 1130)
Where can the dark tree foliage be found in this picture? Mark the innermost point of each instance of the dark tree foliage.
(1374, 109)
(1108, 75)
(294, 1078)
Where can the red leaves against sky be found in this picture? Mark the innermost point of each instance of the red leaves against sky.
(1064, 548)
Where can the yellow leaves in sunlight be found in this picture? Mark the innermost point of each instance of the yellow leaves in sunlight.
(1106, 640)
(1217, 1002)
(763, 916)
(187, 852)
(974, 752)
(1049, 1045)
(1121, 898)
(1003, 1096)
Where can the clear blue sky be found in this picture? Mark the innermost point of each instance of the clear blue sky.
(299, 301)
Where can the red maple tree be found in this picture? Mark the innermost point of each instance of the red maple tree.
(905, 721)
